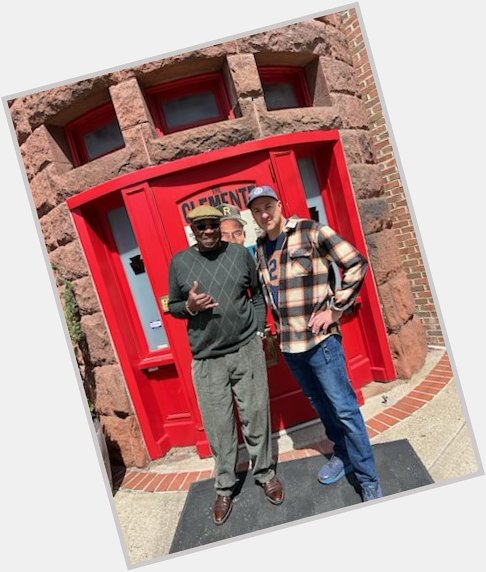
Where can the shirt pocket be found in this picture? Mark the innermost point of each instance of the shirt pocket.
(300, 262)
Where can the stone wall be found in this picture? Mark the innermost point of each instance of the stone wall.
(320, 46)
(411, 258)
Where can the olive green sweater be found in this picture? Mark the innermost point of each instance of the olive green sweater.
(228, 274)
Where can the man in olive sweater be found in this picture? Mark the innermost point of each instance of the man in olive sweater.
(209, 286)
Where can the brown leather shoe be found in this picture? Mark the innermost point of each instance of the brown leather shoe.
(221, 509)
(274, 491)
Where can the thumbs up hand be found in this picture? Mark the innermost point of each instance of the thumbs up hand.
(199, 301)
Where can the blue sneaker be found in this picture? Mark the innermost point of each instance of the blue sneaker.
(371, 491)
(333, 470)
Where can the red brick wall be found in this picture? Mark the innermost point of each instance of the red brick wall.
(407, 241)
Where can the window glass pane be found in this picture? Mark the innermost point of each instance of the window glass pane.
(312, 190)
(103, 140)
(189, 109)
(315, 202)
(280, 95)
(137, 279)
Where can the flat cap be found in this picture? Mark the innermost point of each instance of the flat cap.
(230, 212)
(204, 211)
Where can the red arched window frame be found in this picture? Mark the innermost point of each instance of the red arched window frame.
(210, 82)
(289, 75)
(89, 122)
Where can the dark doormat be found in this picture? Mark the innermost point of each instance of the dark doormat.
(399, 466)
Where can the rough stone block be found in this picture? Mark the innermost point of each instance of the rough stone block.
(304, 119)
(78, 354)
(130, 105)
(124, 441)
(384, 255)
(332, 19)
(244, 74)
(345, 114)
(46, 105)
(20, 121)
(339, 48)
(340, 76)
(86, 296)
(357, 146)
(375, 214)
(409, 348)
(137, 141)
(186, 64)
(45, 191)
(57, 227)
(317, 83)
(111, 392)
(98, 171)
(308, 36)
(367, 180)
(351, 109)
(397, 299)
(98, 340)
(41, 150)
(69, 261)
(244, 107)
(202, 139)
(123, 75)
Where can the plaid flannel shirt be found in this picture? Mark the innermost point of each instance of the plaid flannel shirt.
(306, 284)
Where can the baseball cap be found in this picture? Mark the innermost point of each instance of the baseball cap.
(263, 191)
(230, 212)
(204, 211)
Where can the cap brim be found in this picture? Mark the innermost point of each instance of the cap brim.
(262, 196)
(240, 220)
(205, 217)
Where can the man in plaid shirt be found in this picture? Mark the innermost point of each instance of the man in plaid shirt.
(295, 261)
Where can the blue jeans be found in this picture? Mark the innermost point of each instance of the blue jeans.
(323, 377)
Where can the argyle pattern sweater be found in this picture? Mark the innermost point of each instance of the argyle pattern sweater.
(229, 275)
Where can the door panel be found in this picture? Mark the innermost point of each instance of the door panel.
(167, 392)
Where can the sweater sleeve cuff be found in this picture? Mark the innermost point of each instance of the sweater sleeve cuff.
(190, 312)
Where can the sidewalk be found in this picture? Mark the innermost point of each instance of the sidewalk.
(426, 410)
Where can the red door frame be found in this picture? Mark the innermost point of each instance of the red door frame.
(83, 206)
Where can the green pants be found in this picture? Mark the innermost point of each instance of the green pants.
(241, 375)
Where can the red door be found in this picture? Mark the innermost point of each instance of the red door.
(132, 226)
(225, 182)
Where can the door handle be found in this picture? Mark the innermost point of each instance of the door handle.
(164, 303)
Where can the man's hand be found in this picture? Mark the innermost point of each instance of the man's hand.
(198, 302)
(322, 320)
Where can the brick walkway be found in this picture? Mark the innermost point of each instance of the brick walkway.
(438, 378)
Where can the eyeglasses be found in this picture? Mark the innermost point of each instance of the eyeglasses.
(202, 226)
